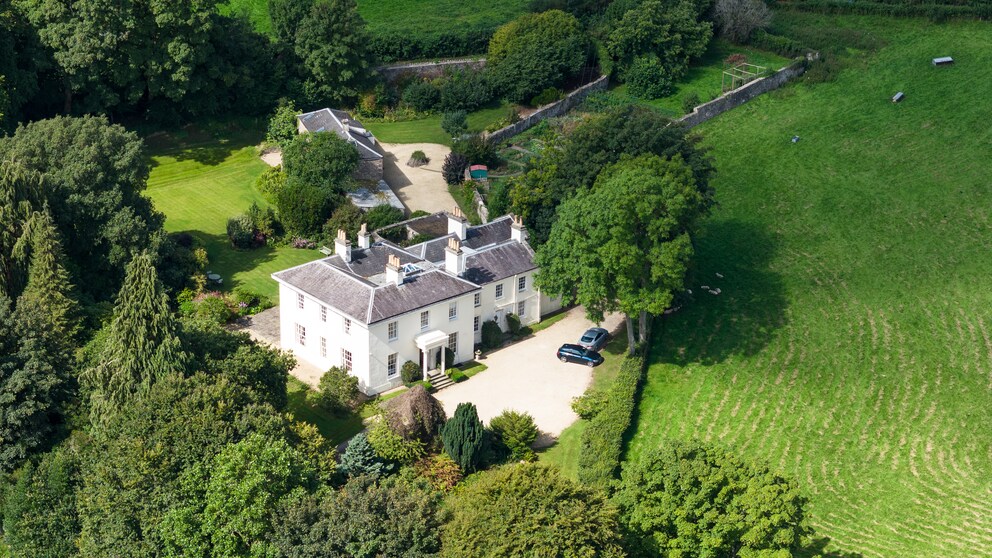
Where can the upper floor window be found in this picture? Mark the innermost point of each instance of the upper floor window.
(522, 283)
(478, 300)
(393, 331)
(299, 301)
(347, 325)
(453, 311)
(425, 319)
(499, 291)
(323, 313)
(301, 335)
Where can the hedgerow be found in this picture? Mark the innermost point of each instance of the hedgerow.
(602, 441)
(933, 10)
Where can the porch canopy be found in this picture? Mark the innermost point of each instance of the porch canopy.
(427, 342)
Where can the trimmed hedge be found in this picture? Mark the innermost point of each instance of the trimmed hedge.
(933, 10)
(601, 446)
(460, 40)
(776, 43)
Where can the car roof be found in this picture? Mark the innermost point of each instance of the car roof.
(596, 330)
(572, 347)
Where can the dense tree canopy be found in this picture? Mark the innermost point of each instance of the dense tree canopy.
(286, 16)
(688, 499)
(674, 33)
(331, 42)
(534, 52)
(625, 244)
(591, 146)
(90, 174)
(318, 171)
(530, 510)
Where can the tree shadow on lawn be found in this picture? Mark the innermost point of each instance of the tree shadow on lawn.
(743, 317)
(210, 144)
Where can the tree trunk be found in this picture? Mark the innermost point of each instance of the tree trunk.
(644, 328)
(631, 343)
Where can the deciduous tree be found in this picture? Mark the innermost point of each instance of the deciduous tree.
(625, 244)
(689, 499)
(331, 41)
(673, 32)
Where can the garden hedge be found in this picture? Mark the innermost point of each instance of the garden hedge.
(601, 446)
(936, 11)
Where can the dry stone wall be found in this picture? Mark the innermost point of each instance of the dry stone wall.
(429, 70)
(552, 110)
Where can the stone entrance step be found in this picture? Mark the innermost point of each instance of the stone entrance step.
(439, 380)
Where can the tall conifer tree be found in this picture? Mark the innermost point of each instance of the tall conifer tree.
(464, 437)
(141, 347)
(46, 306)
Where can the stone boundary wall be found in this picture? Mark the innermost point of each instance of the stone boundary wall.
(429, 70)
(745, 93)
(480, 206)
(552, 110)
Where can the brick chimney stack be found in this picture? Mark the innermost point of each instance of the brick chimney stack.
(342, 247)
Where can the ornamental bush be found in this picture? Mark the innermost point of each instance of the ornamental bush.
(690, 102)
(392, 447)
(492, 335)
(270, 182)
(282, 123)
(513, 324)
(464, 437)
(440, 471)
(411, 372)
(360, 459)
(453, 168)
(337, 392)
(422, 96)
(455, 123)
(589, 404)
(515, 432)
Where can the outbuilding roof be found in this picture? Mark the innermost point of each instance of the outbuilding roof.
(346, 127)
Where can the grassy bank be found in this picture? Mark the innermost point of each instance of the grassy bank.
(850, 347)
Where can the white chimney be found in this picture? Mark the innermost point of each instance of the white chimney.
(517, 230)
(342, 247)
(457, 224)
(394, 271)
(454, 259)
(364, 238)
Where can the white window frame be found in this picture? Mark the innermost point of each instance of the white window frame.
(301, 335)
(425, 320)
(323, 313)
(347, 326)
(391, 368)
(476, 323)
(346, 361)
(299, 300)
(499, 291)
(521, 284)
(453, 344)
(521, 308)
(478, 300)
(323, 347)
(393, 331)
(452, 311)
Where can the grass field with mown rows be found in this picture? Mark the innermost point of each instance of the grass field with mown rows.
(851, 346)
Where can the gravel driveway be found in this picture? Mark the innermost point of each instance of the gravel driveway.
(418, 187)
(527, 376)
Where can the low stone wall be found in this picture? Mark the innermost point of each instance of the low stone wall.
(429, 70)
(480, 206)
(743, 94)
(552, 110)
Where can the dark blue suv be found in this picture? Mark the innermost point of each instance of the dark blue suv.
(581, 355)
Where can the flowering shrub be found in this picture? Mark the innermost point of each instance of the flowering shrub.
(300, 242)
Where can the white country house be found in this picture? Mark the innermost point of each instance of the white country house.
(371, 308)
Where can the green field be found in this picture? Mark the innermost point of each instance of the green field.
(405, 16)
(201, 178)
(428, 129)
(705, 76)
(851, 346)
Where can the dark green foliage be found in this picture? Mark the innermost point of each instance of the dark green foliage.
(94, 174)
(457, 375)
(383, 215)
(360, 459)
(330, 42)
(696, 500)
(348, 217)
(282, 124)
(141, 347)
(534, 52)
(590, 403)
(465, 90)
(23, 62)
(321, 159)
(39, 511)
(464, 438)
(253, 228)
(270, 183)
(304, 207)
(777, 43)
(602, 441)
(478, 150)
(690, 102)
(45, 305)
(648, 78)
(131, 475)
(591, 146)
(546, 97)
(530, 510)
(514, 433)
(453, 168)
(513, 324)
(367, 518)
(492, 335)
(411, 372)
(337, 392)
(449, 40)
(261, 370)
(498, 198)
(286, 16)
(672, 32)
(936, 11)
(455, 123)
(422, 96)
(393, 448)
(416, 415)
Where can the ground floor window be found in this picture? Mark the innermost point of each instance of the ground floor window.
(522, 309)
(346, 359)
(301, 335)
(391, 365)
(453, 343)
(323, 347)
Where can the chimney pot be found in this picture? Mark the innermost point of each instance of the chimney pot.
(458, 224)
(342, 247)
(394, 271)
(454, 258)
(364, 238)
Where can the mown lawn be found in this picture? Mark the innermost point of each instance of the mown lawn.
(428, 129)
(334, 428)
(200, 178)
(851, 347)
(565, 452)
(705, 76)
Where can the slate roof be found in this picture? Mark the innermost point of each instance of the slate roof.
(479, 237)
(417, 291)
(371, 262)
(346, 127)
(330, 285)
(500, 262)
